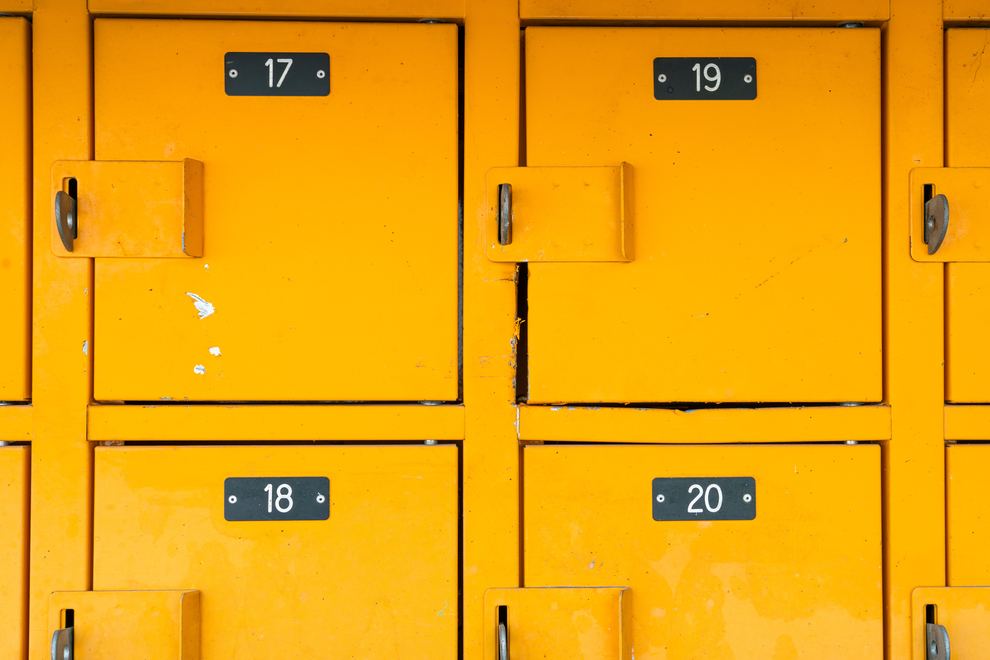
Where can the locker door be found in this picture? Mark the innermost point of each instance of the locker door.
(728, 551)
(15, 270)
(329, 210)
(754, 205)
(370, 571)
(14, 498)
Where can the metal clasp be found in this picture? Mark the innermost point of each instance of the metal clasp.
(66, 214)
(62, 644)
(936, 642)
(936, 221)
(504, 213)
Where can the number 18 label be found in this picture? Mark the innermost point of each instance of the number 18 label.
(276, 498)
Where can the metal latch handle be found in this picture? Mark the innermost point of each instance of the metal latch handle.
(66, 218)
(62, 644)
(936, 222)
(504, 213)
(936, 642)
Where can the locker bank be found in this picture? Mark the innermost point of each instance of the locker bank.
(494, 329)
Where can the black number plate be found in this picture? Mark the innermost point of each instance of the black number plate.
(704, 498)
(276, 498)
(704, 78)
(276, 74)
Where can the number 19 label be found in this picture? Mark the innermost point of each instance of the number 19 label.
(704, 78)
(704, 498)
(276, 498)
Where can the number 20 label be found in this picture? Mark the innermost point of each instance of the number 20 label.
(703, 498)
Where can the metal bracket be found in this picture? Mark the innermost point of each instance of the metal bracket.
(62, 644)
(65, 219)
(936, 222)
(936, 642)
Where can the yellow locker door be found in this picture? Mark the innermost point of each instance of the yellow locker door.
(729, 551)
(967, 144)
(15, 276)
(754, 204)
(14, 497)
(967, 519)
(371, 574)
(330, 211)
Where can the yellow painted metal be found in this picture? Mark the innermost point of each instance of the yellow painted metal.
(562, 214)
(155, 625)
(706, 425)
(269, 423)
(134, 209)
(967, 519)
(965, 10)
(14, 475)
(329, 270)
(491, 468)
(803, 579)
(707, 10)
(16, 423)
(61, 470)
(965, 613)
(15, 287)
(313, 8)
(967, 140)
(560, 623)
(377, 579)
(913, 376)
(968, 192)
(753, 252)
(913, 460)
(967, 422)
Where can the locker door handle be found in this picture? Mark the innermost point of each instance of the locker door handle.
(936, 642)
(936, 222)
(505, 214)
(62, 644)
(503, 632)
(65, 219)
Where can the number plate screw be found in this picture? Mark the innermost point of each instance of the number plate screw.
(232, 73)
(661, 498)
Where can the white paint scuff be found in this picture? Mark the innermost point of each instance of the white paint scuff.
(204, 308)
(199, 370)
(85, 347)
(215, 351)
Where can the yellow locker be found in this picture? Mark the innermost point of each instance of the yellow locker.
(967, 520)
(967, 142)
(330, 217)
(375, 578)
(15, 272)
(755, 271)
(14, 475)
(750, 551)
